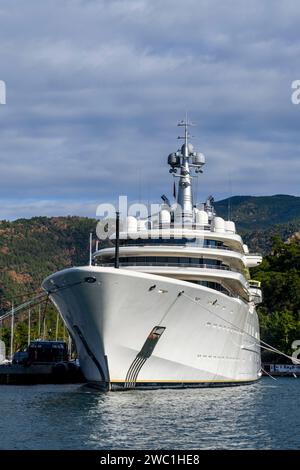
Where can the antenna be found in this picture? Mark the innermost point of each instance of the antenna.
(166, 200)
(230, 196)
(186, 124)
(91, 243)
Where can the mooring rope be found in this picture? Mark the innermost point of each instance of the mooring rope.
(36, 299)
(28, 303)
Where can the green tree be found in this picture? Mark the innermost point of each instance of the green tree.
(280, 311)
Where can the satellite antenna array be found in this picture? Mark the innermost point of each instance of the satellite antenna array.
(186, 155)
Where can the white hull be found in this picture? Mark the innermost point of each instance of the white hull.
(203, 343)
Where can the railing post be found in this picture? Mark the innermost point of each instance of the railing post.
(117, 241)
(12, 332)
(29, 326)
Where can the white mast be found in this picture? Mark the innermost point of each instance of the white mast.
(186, 159)
(185, 195)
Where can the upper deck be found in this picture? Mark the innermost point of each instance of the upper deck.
(218, 243)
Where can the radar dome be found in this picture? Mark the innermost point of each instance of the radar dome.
(173, 160)
(198, 159)
(219, 224)
(165, 217)
(190, 148)
(230, 226)
(201, 218)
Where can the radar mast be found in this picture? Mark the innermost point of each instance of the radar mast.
(186, 159)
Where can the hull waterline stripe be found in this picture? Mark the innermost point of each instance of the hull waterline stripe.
(186, 381)
(175, 384)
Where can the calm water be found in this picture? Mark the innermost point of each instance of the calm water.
(264, 415)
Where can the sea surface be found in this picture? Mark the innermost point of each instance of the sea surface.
(265, 415)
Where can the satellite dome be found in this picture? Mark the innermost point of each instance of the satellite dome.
(198, 159)
(190, 148)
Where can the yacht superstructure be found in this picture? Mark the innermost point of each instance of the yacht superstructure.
(179, 309)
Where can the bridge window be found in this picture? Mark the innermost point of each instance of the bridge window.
(212, 285)
(166, 261)
(173, 241)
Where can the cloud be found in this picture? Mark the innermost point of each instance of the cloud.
(94, 89)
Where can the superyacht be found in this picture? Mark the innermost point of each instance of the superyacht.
(170, 302)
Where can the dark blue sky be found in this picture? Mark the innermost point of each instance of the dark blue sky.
(95, 89)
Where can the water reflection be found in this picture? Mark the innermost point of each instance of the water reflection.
(264, 415)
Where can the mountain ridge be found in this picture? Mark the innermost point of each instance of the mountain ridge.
(260, 212)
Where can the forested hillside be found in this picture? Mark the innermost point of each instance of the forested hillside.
(259, 219)
(31, 249)
(260, 212)
(279, 313)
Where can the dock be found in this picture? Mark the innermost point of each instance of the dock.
(52, 373)
(282, 370)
